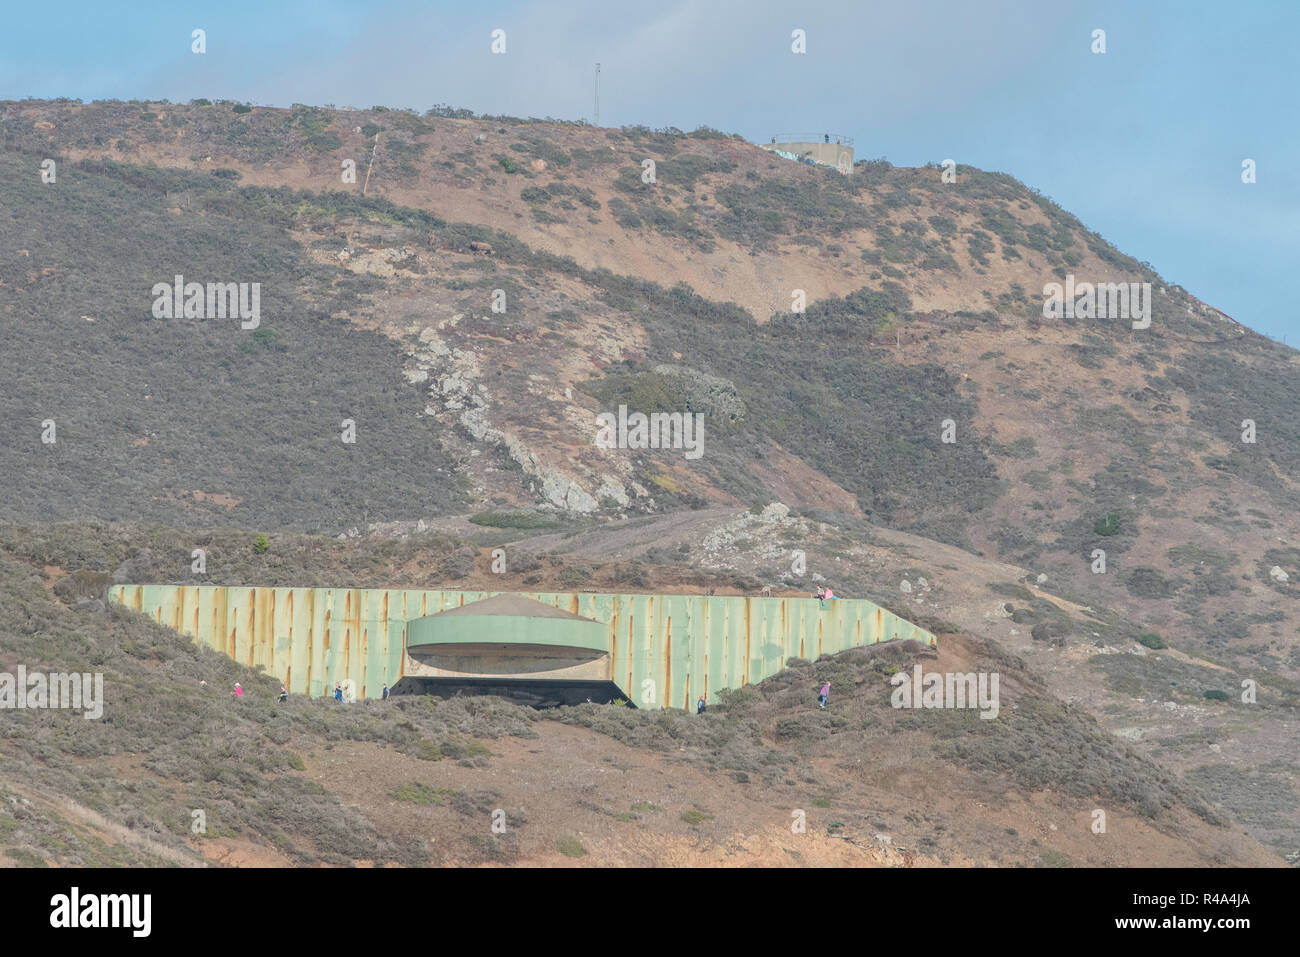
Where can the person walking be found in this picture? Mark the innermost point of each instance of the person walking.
(825, 694)
(338, 691)
(701, 706)
(385, 692)
(284, 694)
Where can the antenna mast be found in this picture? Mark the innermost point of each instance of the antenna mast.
(597, 94)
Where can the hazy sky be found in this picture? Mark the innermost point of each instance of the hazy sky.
(1143, 143)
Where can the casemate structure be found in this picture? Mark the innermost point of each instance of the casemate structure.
(652, 651)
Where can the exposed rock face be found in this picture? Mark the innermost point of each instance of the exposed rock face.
(613, 489)
(714, 396)
(762, 533)
(563, 491)
(1278, 574)
(456, 390)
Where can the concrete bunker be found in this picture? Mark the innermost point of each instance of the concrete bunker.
(513, 646)
(656, 650)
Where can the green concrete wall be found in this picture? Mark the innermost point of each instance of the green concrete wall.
(665, 650)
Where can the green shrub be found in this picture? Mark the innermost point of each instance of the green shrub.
(574, 576)
(326, 141)
(1054, 858)
(25, 858)
(1151, 640)
(1022, 448)
(1044, 631)
(459, 565)
(939, 260)
(1215, 694)
(570, 847)
(522, 520)
(1147, 582)
(1011, 590)
(426, 750)
(458, 746)
(417, 793)
(261, 545)
(979, 244)
(624, 213)
(1038, 480)
(943, 225)
(1109, 524)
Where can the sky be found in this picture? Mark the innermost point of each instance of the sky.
(1144, 143)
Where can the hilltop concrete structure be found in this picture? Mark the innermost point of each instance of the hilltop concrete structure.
(829, 149)
(545, 648)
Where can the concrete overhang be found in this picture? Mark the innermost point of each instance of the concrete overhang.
(508, 637)
(507, 620)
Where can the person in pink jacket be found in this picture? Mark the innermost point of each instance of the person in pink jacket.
(825, 694)
(238, 692)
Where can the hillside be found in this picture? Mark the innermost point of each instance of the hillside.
(924, 306)
(414, 781)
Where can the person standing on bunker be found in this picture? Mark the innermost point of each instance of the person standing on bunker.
(825, 694)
